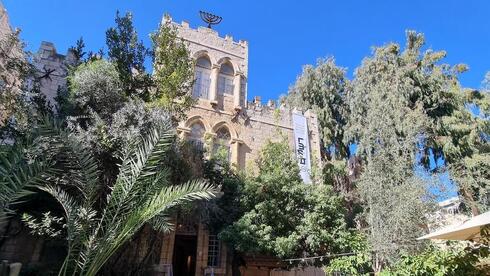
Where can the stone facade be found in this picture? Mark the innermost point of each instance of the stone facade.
(52, 69)
(250, 124)
(222, 114)
(10, 50)
(4, 22)
(448, 212)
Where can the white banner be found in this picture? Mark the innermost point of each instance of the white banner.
(302, 146)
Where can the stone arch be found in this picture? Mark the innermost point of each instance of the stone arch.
(204, 54)
(217, 126)
(230, 61)
(198, 119)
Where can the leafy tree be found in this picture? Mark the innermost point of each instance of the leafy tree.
(323, 88)
(173, 71)
(21, 103)
(310, 220)
(388, 119)
(226, 209)
(78, 51)
(128, 54)
(95, 86)
(357, 264)
(464, 140)
(14, 70)
(452, 260)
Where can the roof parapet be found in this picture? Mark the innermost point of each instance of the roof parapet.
(167, 19)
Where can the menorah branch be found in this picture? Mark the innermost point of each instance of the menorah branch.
(209, 18)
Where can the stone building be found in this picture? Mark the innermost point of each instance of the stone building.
(10, 51)
(52, 70)
(223, 117)
(51, 67)
(222, 111)
(4, 21)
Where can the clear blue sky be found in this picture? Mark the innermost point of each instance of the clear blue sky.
(282, 35)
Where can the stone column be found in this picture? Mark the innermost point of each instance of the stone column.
(237, 85)
(213, 87)
(209, 144)
(167, 250)
(202, 250)
(183, 132)
(235, 152)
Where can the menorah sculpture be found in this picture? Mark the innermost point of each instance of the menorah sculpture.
(209, 18)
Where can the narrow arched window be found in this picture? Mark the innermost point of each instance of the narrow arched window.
(196, 136)
(202, 78)
(225, 79)
(222, 143)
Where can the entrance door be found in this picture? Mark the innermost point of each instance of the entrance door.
(184, 257)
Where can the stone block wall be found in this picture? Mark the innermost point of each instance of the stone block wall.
(250, 125)
(4, 21)
(251, 129)
(47, 59)
(216, 47)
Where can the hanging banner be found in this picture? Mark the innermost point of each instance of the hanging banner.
(302, 146)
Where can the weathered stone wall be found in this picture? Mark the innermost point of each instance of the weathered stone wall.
(207, 40)
(47, 59)
(10, 49)
(251, 129)
(4, 21)
(251, 125)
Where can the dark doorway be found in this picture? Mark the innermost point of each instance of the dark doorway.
(184, 261)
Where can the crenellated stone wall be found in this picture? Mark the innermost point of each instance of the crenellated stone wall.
(251, 128)
(207, 40)
(48, 59)
(251, 124)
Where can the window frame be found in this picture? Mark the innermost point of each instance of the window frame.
(202, 79)
(214, 251)
(226, 79)
(223, 139)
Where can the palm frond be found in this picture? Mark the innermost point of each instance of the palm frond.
(141, 194)
(76, 225)
(18, 177)
(155, 206)
(73, 156)
(70, 206)
(85, 167)
(161, 223)
(138, 166)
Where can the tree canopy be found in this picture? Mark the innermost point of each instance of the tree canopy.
(403, 109)
(310, 220)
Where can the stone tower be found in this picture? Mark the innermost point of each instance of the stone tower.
(222, 114)
(223, 117)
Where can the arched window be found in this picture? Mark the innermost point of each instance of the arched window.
(225, 79)
(222, 143)
(202, 78)
(196, 135)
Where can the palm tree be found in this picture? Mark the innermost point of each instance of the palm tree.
(96, 228)
(22, 170)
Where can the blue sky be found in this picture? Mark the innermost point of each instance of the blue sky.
(282, 35)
